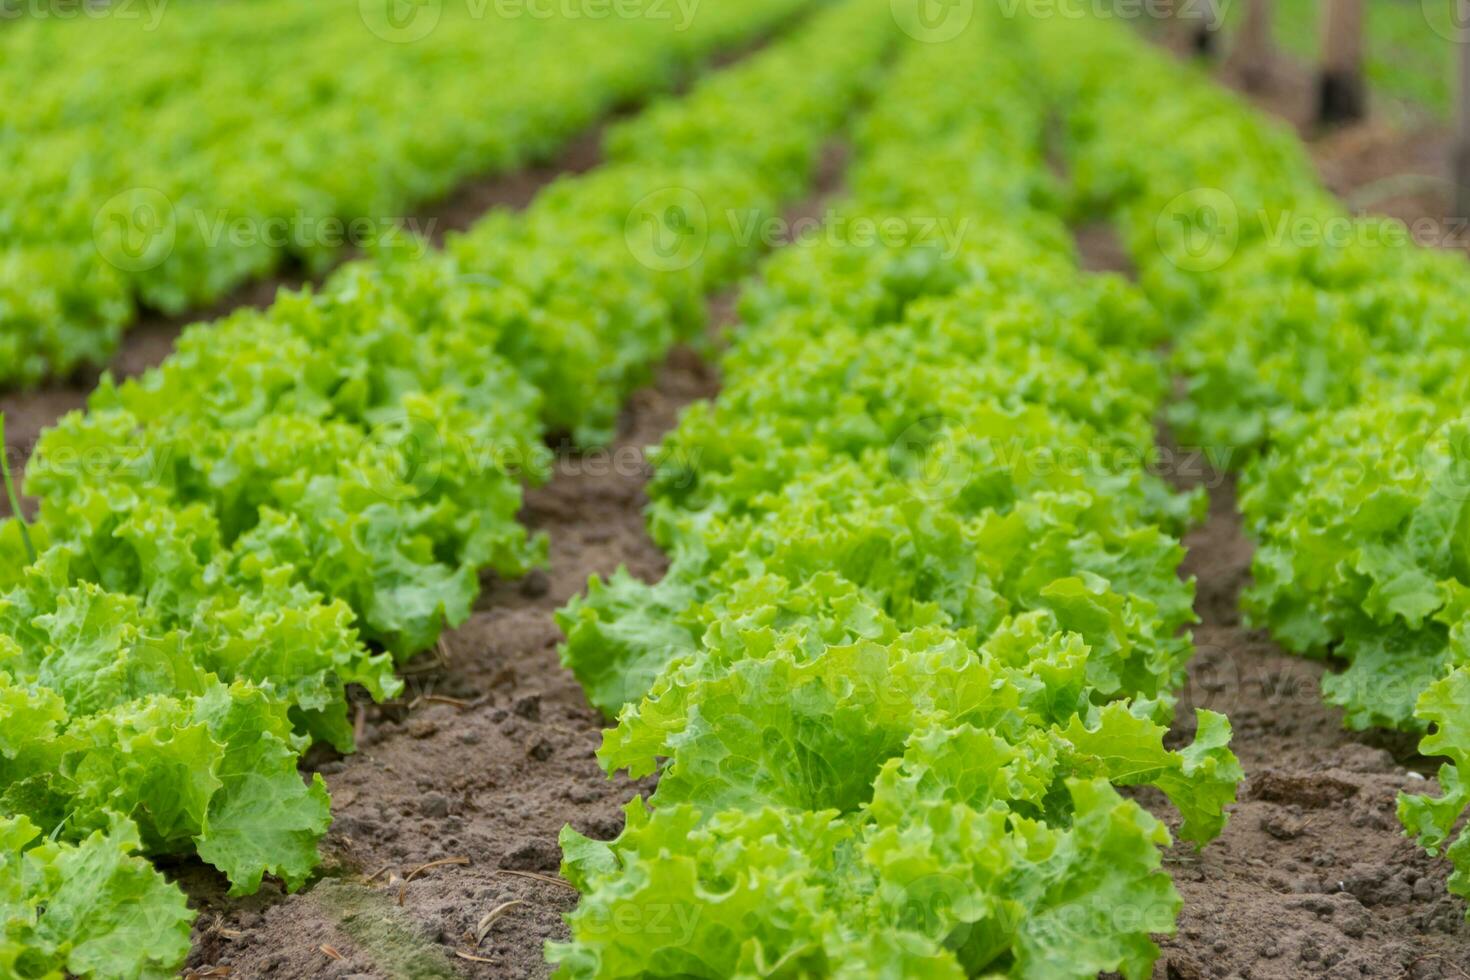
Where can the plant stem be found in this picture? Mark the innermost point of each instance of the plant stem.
(20, 517)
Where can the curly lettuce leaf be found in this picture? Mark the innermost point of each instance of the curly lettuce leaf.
(943, 891)
(93, 908)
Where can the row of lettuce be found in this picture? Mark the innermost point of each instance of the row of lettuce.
(1328, 354)
(223, 543)
(164, 154)
(923, 612)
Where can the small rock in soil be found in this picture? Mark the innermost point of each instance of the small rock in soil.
(528, 707)
(434, 805)
(1375, 885)
(1282, 826)
(537, 854)
(536, 584)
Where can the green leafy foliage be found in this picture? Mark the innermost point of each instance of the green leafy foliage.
(225, 542)
(1432, 820)
(93, 908)
(1328, 353)
(953, 885)
(918, 623)
(109, 720)
(279, 133)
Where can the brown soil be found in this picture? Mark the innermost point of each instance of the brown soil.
(1100, 250)
(472, 200)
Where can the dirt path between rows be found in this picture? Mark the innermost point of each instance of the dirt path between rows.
(1313, 876)
(491, 754)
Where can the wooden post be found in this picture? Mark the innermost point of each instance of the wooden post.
(1342, 95)
(1205, 39)
(1167, 27)
(1460, 162)
(1195, 27)
(1254, 54)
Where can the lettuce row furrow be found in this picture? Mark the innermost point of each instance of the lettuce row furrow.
(279, 133)
(224, 541)
(1329, 355)
(923, 613)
